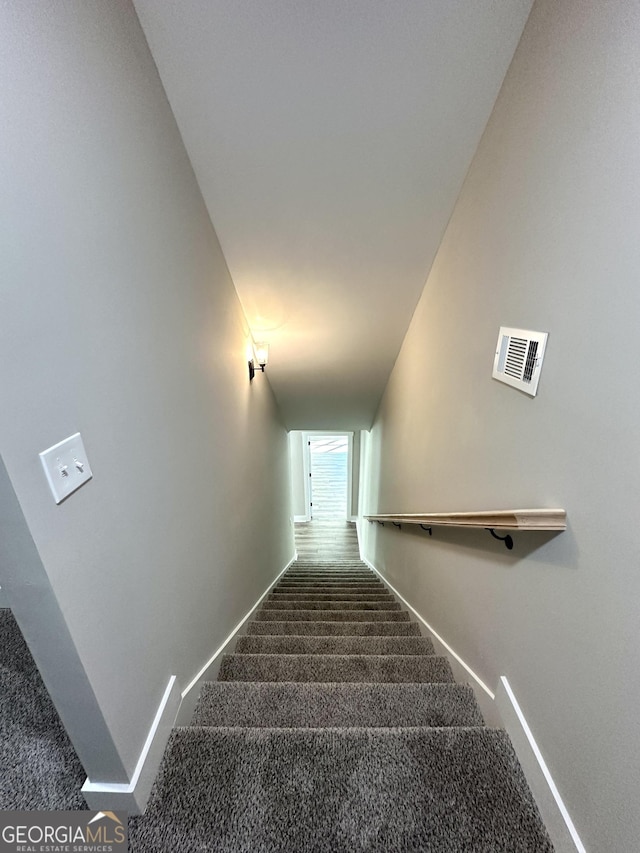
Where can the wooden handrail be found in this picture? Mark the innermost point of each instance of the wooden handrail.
(502, 519)
(491, 520)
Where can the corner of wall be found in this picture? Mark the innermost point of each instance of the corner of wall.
(132, 797)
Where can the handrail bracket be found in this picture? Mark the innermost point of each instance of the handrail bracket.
(508, 539)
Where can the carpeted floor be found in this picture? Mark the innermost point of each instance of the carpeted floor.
(39, 768)
(336, 728)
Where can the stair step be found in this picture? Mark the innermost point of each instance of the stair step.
(329, 573)
(359, 571)
(277, 595)
(312, 704)
(332, 589)
(362, 591)
(300, 667)
(320, 570)
(337, 570)
(330, 586)
(334, 629)
(343, 790)
(284, 615)
(342, 578)
(289, 644)
(340, 604)
(335, 563)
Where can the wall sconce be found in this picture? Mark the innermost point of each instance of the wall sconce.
(261, 356)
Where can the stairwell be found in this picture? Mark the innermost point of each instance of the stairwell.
(334, 727)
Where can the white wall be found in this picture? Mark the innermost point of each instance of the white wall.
(119, 319)
(298, 473)
(544, 236)
(355, 474)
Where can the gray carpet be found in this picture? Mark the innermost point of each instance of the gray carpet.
(305, 604)
(366, 668)
(377, 629)
(332, 565)
(341, 595)
(355, 568)
(244, 789)
(316, 705)
(347, 645)
(331, 574)
(39, 768)
(340, 579)
(329, 587)
(334, 727)
(266, 614)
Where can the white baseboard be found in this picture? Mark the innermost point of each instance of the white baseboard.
(209, 671)
(454, 657)
(176, 708)
(132, 798)
(298, 519)
(501, 708)
(553, 810)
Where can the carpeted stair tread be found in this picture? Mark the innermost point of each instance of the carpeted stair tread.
(369, 668)
(326, 589)
(352, 582)
(362, 571)
(284, 615)
(381, 790)
(304, 586)
(284, 704)
(362, 591)
(323, 628)
(340, 561)
(321, 579)
(335, 727)
(331, 575)
(296, 644)
(359, 604)
(329, 564)
(329, 596)
(335, 561)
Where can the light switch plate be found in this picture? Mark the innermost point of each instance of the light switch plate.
(66, 466)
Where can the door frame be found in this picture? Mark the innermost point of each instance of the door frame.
(306, 466)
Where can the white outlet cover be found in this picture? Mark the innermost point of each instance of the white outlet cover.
(66, 466)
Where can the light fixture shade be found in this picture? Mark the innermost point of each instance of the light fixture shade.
(262, 353)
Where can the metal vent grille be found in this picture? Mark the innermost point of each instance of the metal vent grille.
(530, 363)
(516, 353)
(518, 358)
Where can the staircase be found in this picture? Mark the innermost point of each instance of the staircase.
(334, 727)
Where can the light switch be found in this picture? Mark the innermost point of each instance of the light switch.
(66, 466)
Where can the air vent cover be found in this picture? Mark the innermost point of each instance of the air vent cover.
(518, 360)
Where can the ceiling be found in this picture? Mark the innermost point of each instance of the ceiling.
(330, 139)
